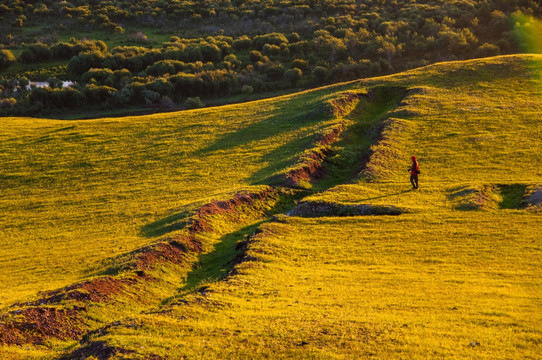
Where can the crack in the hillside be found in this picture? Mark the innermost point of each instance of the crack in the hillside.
(347, 159)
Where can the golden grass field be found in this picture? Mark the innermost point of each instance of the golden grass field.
(457, 275)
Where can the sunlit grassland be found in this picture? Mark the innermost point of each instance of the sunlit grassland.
(398, 287)
(436, 282)
(482, 126)
(74, 193)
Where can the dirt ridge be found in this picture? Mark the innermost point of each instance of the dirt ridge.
(344, 103)
(309, 166)
(35, 321)
(98, 349)
(34, 324)
(243, 256)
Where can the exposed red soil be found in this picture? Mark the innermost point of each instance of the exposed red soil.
(101, 289)
(310, 165)
(96, 290)
(340, 106)
(309, 170)
(34, 324)
(35, 321)
(172, 251)
(200, 221)
(331, 136)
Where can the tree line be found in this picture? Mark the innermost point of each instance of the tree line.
(288, 44)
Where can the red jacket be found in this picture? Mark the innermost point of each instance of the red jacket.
(414, 168)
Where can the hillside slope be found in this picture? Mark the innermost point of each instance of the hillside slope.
(93, 189)
(455, 273)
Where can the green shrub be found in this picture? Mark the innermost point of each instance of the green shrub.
(6, 59)
(293, 75)
(242, 43)
(35, 53)
(255, 56)
(271, 39)
(193, 103)
(487, 49)
(151, 97)
(274, 72)
(271, 49)
(301, 64)
(7, 102)
(247, 89)
(320, 73)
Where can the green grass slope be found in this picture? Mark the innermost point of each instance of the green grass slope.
(456, 276)
(363, 288)
(89, 190)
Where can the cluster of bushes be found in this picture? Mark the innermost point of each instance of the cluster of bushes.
(137, 58)
(240, 47)
(256, 17)
(6, 59)
(38, 52)
(213, 67)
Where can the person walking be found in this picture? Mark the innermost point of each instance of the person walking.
(414, 171)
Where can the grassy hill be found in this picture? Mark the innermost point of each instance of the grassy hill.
(94, 188)
(455, 274)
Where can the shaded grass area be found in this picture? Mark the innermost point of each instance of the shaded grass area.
(512, 196)
(166, 225)
(218, 263)
(488, 197)
(352, 152)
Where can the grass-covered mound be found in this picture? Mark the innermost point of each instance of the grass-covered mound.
(455, 273)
